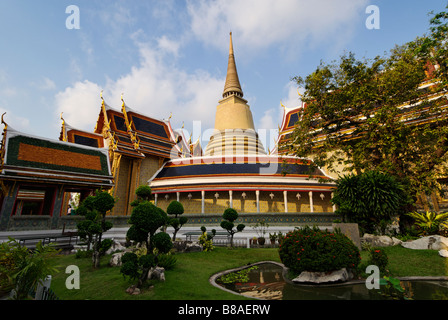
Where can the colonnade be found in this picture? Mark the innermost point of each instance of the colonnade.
(257, 196)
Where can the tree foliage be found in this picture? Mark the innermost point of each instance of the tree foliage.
(229, 216)
(176, 208)
(146, 219)
(375, 114)
(369, 199)
(94, 209)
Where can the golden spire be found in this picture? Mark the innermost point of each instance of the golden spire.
(3, 121)
(232, 85)
(63, 130)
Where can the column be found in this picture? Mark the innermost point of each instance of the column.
(203, 201)
(257, 194)
(285, 199)
(155, 198)
(231, 198)
(334, 206)
(178, 196)
(311, 201)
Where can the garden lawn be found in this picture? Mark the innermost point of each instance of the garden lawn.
(405, 262)
(188, 280)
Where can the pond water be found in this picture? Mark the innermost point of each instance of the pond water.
(266, 282)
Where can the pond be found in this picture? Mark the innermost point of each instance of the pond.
(265, 281)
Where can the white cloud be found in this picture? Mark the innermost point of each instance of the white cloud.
(18, 122)
(292, 99)
(80, 104)
(168, 45)
(262, 23)
(156, 87)
(267, 121)
(268, 128)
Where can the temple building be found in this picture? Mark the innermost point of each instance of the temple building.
(236, 171)
(138, 145)
(39, 177)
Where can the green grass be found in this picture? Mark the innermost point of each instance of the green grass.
(189, 280)
(408, 262)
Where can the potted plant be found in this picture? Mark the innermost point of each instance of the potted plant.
(260, 228)
(273, 237)
(253, 240)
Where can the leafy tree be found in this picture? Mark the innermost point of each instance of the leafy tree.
(374, 114)
(229, 216)
(94, 208)
(145, 220)
(176, 208)
(436, 47)
(369, 199)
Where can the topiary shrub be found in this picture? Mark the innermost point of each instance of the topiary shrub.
(176, 208)
(145, 220)
(229, 216)
(143, 192)
(315, 250)
(94, 209)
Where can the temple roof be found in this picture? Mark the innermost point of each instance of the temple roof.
(135, 134)
(35, 159)
(74, 135)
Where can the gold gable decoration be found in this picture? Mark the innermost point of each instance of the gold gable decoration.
(134, 139)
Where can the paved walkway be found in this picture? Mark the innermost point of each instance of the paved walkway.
(119, 233)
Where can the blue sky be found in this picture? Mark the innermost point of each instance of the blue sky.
(170, 56)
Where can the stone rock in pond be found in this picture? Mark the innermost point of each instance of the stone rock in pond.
(434, 242)
(342, 275)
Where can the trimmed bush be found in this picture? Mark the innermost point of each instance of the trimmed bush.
(176, 208)
(229, 216)
(312, 249)
(143, 192)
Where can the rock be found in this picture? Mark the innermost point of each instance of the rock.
(133, 290)
(351, 230)
(342, 275)
(115, 260)
(187, 246)
(434, 242)
(193, 247)
(78, 247)
(116, 246)
(443, 253)
(380, 241)
(157, 273)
